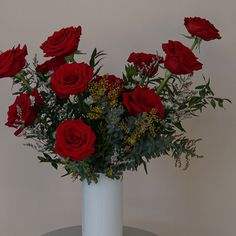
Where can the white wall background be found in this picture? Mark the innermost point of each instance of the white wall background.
(170, 202)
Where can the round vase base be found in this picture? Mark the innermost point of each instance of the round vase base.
(77, 231)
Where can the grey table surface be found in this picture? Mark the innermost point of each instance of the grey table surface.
(76, 231)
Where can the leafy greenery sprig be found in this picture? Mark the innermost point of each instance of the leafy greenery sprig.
(124, 141)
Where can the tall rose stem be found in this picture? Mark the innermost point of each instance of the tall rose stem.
(164, 82)
(196, 42)
(168, 74)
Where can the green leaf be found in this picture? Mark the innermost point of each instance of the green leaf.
(54, 165)
(213, 103)
(99, 61)
(187, 36)
(179, 126)
(202, 93)
(92, 60)
(65, 174)
(97, 71)
(124, 78)
(42, 159)
(130, 71)
(70, 58)
(16, 93)
(47, 156)
(220, 103)
(144, 165)
(200, 87)
(194, 99)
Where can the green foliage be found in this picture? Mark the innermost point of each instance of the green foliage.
(96, 58)
(48, 158)
(123, 142)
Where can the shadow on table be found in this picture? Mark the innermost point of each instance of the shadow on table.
(77, 231)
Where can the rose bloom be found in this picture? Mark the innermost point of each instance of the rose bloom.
(23, 111)
(180, 59)
(112, 82)
(74, 140)
(202, 28)
(62, 43)
(146, 64)
(50, 65)
(71, 79)
(143, 100)
(12, 61)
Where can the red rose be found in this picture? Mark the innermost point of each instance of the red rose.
(12, 61)
(202, 28)
(111, 81)
(62, 43)
(75, 140)
(143, 100)
(23, 111)
(71, 79)
(50, 65)
(36, 100)
(180, 59)
(146, 64)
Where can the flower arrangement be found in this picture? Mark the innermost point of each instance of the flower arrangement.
(91, 123)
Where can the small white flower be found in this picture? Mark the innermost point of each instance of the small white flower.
(54, 134)
(168, 104)
(174, 118)
(89, 100)
(114, 157)
(130, 86)
(19, 111)
(137, 78)
(32, 100)
(74, 99)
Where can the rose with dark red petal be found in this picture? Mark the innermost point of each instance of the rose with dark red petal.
(71, 79)
(146, 64)
(111, 81)
(74, 140)
(180, 59)
(34, 95)
(23, 112)
(62, 43)
(12, 61)
(202, 28)
(143, 100)
(50, 65)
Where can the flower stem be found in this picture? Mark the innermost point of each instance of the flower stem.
(164, 82)
(196, 42)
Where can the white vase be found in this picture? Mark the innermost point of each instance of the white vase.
(102, 213)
